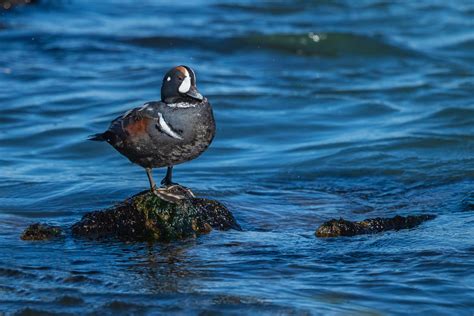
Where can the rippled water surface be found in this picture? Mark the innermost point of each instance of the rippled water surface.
(325, 109)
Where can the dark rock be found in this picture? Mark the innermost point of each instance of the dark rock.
(341, 227)
(146, 216)
(40, 231)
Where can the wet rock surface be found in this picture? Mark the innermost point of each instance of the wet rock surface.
(341, 227)
(146, 216)
(40, 231)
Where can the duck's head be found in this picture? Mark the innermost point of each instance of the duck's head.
(179, 83)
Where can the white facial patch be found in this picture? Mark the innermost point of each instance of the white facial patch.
(165, 128)
(168, 79)
(185, 85)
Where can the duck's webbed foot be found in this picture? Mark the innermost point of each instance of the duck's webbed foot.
(174, 193)
(171, 191)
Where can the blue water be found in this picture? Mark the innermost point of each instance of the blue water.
(325, 109)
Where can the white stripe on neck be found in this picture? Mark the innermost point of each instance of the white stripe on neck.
(182, 105)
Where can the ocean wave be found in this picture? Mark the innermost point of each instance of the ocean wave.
(326, 44)
(265, 8)
(306, 44)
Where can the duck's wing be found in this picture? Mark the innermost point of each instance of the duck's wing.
(153, 118)
(146, 111)
(129, 123)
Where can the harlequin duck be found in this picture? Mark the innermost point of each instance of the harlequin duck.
(165, 133)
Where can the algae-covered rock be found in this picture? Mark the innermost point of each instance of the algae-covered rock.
(40, 231)
(146, 216)
(341, 227)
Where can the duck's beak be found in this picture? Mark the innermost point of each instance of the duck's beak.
(194, 93)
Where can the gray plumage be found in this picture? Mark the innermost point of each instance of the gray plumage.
(141, 136)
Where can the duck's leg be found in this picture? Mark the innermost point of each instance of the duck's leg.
(167, 180)
(150, 178)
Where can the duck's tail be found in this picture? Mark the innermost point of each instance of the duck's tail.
(101, 137)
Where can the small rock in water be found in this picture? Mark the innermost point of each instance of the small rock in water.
(40, 231)
(341, 227)
(147, 216)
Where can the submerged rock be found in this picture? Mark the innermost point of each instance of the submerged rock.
(341, 227)
(40, 231)
(146, 216)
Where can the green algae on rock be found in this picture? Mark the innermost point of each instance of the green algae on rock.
(40, 231)
(341, 227)
(146, 216)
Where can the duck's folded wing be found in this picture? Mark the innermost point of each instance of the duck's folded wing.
(147, 110)
(154, 114)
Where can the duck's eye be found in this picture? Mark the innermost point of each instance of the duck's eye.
(180, 78)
